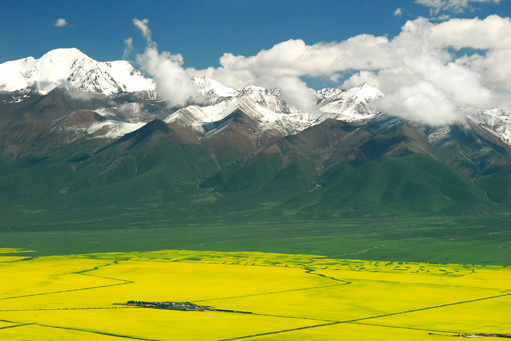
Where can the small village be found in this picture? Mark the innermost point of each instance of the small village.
(181, 306)
(486, 335)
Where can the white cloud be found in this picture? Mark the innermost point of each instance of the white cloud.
(420, 76)
(456, 6)
(281, 65)
(295, 58)
(295, 92)
(171, 80)
(398, 12)
(493, 32)
(443, 17)
(423, 102)
(428, 85)
(142, 26)
(362, 77)
(129, 47)
(493, 67)
(60, 22)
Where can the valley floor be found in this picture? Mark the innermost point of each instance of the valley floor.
(288, 297)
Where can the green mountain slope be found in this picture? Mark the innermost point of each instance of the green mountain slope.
(335, 169)
(151, 166)
(498, 186)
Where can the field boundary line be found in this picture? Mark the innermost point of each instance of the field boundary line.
(17, 325)
(426, 308)
(95, 332)
(78, 289)
(62, 291)
(79, 308)
(281, 331)
(398, 327)
(355, 321)
(270, 293)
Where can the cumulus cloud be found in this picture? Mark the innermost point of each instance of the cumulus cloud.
(422, 101)
(420, 71)
(60, 22)
(420, 76)
(456, 6)
(429, 86)
(295, 92)
(171, 80)
(493, 32)
(285, 62)
(398, 12)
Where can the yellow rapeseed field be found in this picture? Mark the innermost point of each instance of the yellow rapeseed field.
(276, 296)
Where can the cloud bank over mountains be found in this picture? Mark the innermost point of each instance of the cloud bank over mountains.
(431, 72)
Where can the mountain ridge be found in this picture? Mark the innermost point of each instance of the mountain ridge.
(243, 151)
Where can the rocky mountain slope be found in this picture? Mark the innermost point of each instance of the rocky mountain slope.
(77, 133)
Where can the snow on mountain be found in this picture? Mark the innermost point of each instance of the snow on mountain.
(268, 108)
(348, 104)
(263, 105)
(210, 87)
(132, 103)
(497, 121)
(71, 68)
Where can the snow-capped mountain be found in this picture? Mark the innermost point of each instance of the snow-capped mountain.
(216, 103)
(497, 121)
(348, 104)
(73, 69)
(39, 99)
(209, 111)
(105, 121)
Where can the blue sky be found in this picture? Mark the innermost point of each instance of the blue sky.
(201, 30)
(434, 60)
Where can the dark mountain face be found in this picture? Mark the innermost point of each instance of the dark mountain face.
(246, 151)
(385, 167)
(33, 124)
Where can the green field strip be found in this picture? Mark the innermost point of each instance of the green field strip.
(62, 291)
(426, 308)
(398, 327)
(16, 325)
(124, 282)
(279, 316)
(49, 309)
(3, 261)
(372, 317)
(272, 292)
(310, 272)
(111, 278)
(94, 332)
(280, 331)
(356, 321)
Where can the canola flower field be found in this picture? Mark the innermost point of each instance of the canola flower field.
(287, 297)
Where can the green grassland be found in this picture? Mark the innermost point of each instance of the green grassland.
(154, 190)
(462, 240)
(97, 224)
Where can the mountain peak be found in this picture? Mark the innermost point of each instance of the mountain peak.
(253, 88)
(71, 68)
(210, 86)
(368, 93)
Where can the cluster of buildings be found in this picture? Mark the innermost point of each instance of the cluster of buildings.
(183, 306)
